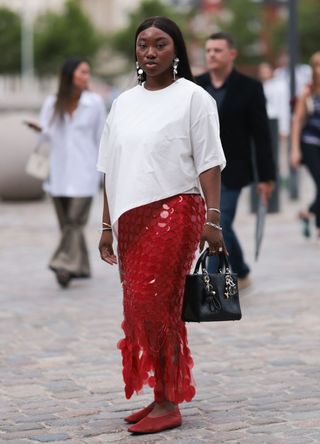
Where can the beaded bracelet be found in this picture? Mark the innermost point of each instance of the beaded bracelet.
(211, 224)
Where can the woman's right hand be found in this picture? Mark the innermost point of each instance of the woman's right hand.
(295, 158)
(106, 249)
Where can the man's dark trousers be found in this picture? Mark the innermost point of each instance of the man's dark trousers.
(229, 202)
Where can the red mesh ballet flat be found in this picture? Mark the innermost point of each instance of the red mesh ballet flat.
(137, 416)
(158, 423)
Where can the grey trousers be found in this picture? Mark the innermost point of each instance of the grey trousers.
(72, 254)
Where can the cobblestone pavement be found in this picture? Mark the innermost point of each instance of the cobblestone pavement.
(257, 379)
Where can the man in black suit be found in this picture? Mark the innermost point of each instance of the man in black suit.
(243, 127)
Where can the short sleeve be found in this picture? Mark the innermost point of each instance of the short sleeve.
(205, 133)
(105, 140)
(101, 119)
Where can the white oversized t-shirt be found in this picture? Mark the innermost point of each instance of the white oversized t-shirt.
(155, 144)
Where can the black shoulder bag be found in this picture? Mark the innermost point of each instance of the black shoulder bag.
(211, 297)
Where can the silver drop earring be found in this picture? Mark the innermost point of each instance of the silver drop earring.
(175, 64)
(139, 73)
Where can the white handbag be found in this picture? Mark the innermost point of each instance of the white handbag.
(38, 163)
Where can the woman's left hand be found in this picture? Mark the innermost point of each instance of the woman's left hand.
(295, 158)
(215, 241)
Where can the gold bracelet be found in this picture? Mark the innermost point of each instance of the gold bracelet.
(106, 225)
(210, 224)
(214, 209)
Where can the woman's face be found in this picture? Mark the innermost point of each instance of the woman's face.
(81, 76)
(155, 52)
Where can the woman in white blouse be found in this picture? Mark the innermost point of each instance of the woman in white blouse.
(160, 143)
(72, 122)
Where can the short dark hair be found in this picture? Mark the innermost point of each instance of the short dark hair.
(223, 36)
(171, 28)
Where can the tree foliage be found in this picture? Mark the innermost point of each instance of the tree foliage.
(123, 40)
(10, 41)
(308, 30)
(242, 20)
(58, 36)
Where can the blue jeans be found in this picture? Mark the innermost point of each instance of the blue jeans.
(229, 202)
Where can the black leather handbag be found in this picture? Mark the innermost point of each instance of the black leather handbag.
(211, 297)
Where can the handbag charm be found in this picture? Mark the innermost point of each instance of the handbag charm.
(213, 301)
(211, 297)
(230, 288)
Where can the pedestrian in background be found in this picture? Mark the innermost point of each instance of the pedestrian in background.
(306, 139)
(302, 73)
(244, 125)
(72, 121)
(277, 98)
(278, 109)
(160, 140)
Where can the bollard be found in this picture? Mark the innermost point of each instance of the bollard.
(17, 143)
(274, 202)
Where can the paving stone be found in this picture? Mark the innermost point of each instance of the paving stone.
(52, 437)
(25, 434)
(77, 413)
(102, 427)
(66, 441)
(21, 427)
(187, 441)
(36, 418)
(66, 421)
(16, 441)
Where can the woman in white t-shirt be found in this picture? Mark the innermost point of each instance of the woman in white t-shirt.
(160, 142)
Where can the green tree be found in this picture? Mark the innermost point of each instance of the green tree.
(10, 41)
(242, 20)
(123, 40)
(308, 30)
(59, 36)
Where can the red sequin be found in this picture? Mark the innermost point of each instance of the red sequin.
(157, 244)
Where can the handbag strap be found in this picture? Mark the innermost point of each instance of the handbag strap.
(222, 266)
(38, 146)
(40, 143)
(230, 285)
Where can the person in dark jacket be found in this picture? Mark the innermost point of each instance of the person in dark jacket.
(243, 128)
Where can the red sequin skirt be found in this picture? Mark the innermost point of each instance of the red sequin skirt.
(156, 248)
